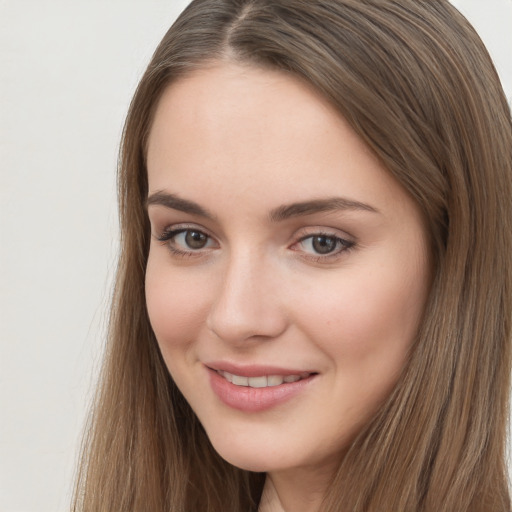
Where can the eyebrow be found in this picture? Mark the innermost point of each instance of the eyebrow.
(318, 206)
(278, 214)
(177, 203)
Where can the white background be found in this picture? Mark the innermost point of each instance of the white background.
(67, 73)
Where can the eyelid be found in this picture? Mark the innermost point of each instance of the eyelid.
(306, 232)
(180, 227)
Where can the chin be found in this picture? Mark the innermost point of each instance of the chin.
(249, 458)
(267, 452)
(257, 455)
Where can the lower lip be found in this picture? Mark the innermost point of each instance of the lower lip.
(247, 399)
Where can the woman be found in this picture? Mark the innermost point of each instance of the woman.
(312, 309)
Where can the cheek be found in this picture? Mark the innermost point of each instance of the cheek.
(176, 302)
(365, 328)
(366, 322)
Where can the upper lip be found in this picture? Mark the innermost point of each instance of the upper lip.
(254, 370)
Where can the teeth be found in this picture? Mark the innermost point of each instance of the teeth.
(275, 380)
(258, 382)
(263, 381)
(240, 381)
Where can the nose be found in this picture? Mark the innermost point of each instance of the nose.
(247, 306)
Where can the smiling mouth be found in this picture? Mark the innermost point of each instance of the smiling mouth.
(259, 388)
(263, 381)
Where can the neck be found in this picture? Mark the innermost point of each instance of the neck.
(297, 491)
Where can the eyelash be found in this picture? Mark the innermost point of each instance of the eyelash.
(342, 245)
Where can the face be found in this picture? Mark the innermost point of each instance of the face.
(288, 270)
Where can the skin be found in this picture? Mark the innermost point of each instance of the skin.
(240, 142)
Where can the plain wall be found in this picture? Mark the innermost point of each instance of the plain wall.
(67, 73)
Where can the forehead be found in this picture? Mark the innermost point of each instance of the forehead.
(232, 101)
(229, 129)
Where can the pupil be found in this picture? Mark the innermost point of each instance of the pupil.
(195, 239)
(324, 244)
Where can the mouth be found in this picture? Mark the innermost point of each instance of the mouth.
(263, 381)
(257, 388)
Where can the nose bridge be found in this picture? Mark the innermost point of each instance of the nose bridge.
(246, 304)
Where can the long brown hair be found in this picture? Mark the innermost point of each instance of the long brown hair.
(416, 83)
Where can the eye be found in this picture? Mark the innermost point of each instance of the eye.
(323, 245)
(192, 239)
(186, 241)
